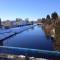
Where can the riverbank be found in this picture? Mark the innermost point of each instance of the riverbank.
(49, 30)
(53, 31)
(57, 43)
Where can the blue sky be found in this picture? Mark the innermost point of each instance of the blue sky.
(32, 9)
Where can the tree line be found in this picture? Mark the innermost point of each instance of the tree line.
(49, 19)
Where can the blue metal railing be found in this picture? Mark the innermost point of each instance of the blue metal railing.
(30, 52)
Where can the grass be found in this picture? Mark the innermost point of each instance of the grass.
(57, 31)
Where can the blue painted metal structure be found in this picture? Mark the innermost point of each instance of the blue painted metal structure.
(30, 52)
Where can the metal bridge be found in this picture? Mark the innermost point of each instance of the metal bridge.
(30, 52)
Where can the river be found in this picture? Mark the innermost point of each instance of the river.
(33, 38)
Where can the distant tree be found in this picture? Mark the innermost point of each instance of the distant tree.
(54, 15)
(43, 20)
(39, 20)
(48, 17)
(18, 19)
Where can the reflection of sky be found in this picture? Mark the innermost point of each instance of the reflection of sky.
(10, 9)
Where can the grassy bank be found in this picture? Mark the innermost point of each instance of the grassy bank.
(57, 31)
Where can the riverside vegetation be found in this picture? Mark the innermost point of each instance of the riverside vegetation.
(57, 31)
(51, 23)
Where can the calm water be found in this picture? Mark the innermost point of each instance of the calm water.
(33, 38)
